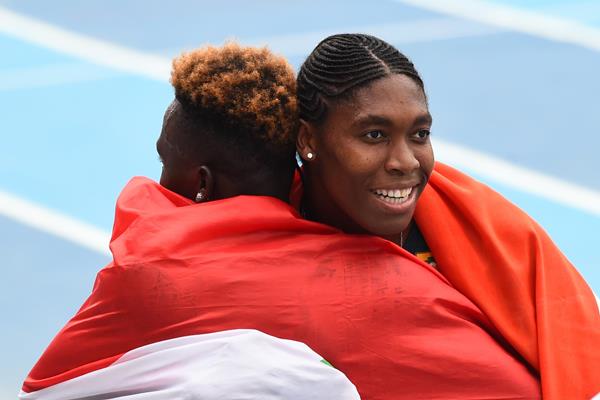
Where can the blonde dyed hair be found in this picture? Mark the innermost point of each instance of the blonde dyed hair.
(251, 88)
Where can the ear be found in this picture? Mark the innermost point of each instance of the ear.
(206, 184)
(306, 144)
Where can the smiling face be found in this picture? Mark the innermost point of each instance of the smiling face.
(372, 158)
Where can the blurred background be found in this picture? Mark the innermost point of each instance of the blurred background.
(513, 89)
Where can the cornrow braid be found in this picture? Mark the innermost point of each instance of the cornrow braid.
(341, 63)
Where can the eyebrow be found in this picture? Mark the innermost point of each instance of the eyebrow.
(374, 119)
(371, 119)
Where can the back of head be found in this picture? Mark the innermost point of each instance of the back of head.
(340, 64)
(239, 107)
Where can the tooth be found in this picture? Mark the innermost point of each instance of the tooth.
(397, 193)
(384, 192)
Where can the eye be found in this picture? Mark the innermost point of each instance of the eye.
(374, 136)
(422, 134)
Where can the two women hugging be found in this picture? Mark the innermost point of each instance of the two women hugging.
(412, 279)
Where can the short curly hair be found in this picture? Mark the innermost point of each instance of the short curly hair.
(241, 103)
(250, 88)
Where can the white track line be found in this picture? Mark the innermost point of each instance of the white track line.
(521, 178)
(84, 47)
(155, 67)
(52, 75)
(422, 30)
(507, 17)
(52, 222)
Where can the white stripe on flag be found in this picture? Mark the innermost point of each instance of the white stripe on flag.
(237, 364)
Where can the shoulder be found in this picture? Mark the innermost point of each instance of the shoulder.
(451, 193)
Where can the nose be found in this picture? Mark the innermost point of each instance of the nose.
(401, 158)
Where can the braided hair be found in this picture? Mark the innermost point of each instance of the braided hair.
(340, 64)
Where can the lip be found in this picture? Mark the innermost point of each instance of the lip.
(399, 208)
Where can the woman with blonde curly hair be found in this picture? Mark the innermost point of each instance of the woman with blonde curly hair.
(231, 128)
(180, 311)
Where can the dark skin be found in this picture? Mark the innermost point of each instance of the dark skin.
(189, 169)
(371, 158)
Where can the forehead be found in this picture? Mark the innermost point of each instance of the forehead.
(393, 97)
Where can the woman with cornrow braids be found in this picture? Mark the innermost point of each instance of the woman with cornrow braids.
(368, 168)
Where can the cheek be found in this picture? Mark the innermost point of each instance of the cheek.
(348, 161)
(178, 181)
(426, 159)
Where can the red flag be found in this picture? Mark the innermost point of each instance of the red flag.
(390, 322)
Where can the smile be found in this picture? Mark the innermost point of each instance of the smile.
(393, 196)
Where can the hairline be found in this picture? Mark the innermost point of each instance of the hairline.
(350, 92)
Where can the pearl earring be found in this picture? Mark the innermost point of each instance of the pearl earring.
(200, 197)
(310, 155)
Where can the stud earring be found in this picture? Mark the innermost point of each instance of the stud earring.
(310, 155)
(201, 196)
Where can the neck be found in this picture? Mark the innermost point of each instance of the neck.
(323, 209)
(400, 238)
(280, 193)
(249, 186)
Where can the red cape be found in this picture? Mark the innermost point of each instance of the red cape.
(503, 261)
(391, 323)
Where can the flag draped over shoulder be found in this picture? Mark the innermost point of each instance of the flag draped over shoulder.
(504, 262)
(390, 322)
